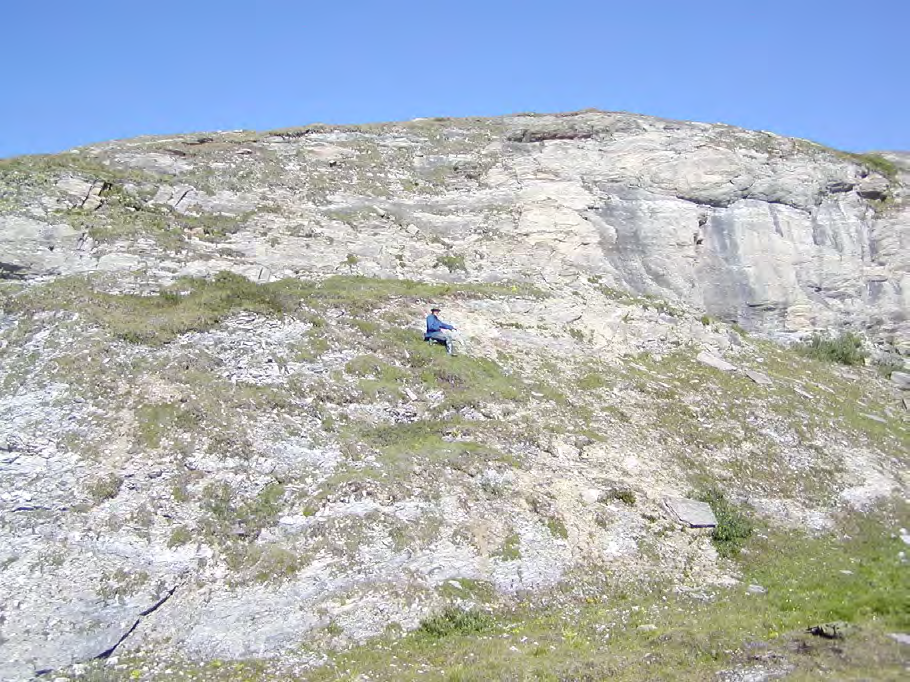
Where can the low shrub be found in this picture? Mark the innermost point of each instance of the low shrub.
(624, 495)
(452, 262)
(888, 364)
(847, 349)
(105, 488)
(733, 526)
(179, 536)
(455, 621)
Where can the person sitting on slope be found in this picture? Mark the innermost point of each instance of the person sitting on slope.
(435, 332)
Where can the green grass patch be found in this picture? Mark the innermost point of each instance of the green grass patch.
(557, 528)
(467, 381)
(198, 304)
(378, 389)
(155, 422)
(577, 334)
(646, 301)
(877, 163)
(450, 444)
(828, 400)
(312, 346)
(46, 168)
(854, 574)
(371, 366)
(467, 589)
(510, 550)
(272, 563)
(179, 536)
(470, 382)
(592, 381)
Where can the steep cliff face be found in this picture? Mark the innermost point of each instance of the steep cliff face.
(200, 465)
(770, 232)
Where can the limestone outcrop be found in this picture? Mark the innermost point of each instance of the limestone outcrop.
(773, 233)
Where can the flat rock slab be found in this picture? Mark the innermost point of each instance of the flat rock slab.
(696, 514)
(759, 378)
(902, 379)
(715, 362)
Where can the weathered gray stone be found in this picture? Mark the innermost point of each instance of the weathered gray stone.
(84, 628)
(901, 379)
(758, 377)
(713, 361)
(901, 637)
(75, 186)
(873, 187)
(696, 514)
(30, 247)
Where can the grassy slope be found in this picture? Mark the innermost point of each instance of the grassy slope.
(602, 636)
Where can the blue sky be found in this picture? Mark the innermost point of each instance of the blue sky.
(835, 71)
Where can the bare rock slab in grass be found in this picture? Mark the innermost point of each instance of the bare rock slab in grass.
(758, 377)
(715, 362)
(696, 514)
(902, 379)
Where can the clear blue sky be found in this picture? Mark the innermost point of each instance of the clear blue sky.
(835, 71)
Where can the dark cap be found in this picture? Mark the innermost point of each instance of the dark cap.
(435, 310)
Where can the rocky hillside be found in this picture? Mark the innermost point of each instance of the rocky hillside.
(769, 232)
(223, 441)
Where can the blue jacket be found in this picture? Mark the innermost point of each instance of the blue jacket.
(434, 324)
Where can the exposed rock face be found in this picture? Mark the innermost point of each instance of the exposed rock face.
(774, 233)
(233, 467)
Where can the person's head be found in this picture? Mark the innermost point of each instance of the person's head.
(435, 310)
